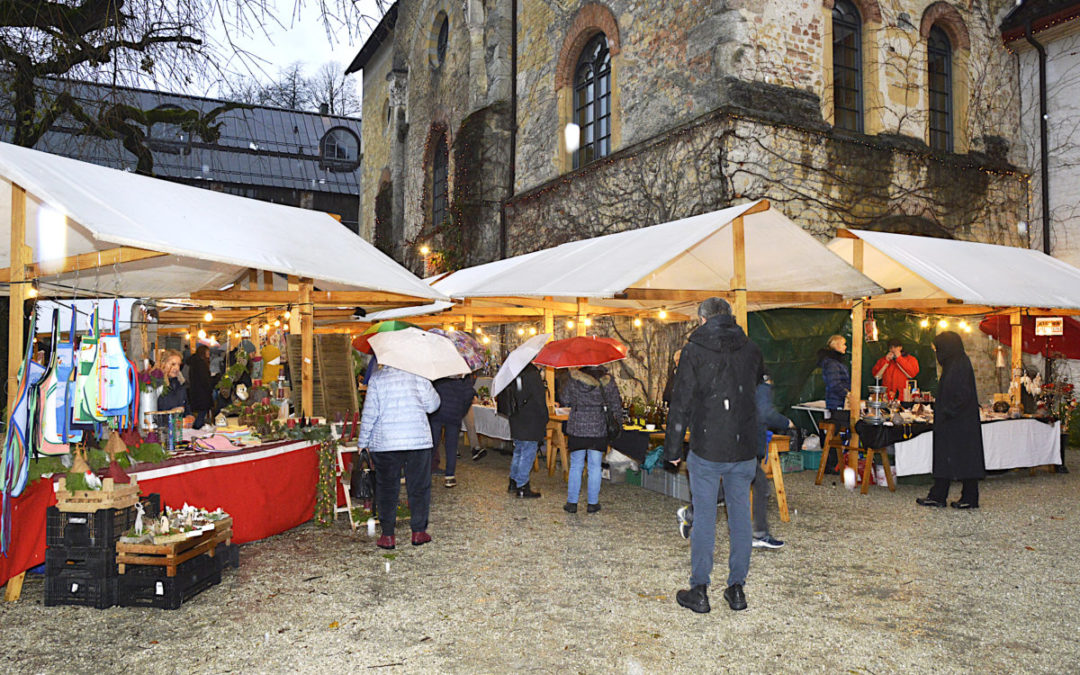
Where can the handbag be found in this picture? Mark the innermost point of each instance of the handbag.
(362, 480)
(612, 421)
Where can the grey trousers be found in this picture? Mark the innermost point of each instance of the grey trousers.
(705, 477)
(760, 511)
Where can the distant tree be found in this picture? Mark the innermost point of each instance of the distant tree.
(290, 89)
(332, 87)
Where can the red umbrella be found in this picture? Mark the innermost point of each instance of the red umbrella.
(360, 342)
(618, 345)
(1066, 345)
(580, 351)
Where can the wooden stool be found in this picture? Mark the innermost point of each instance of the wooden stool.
(834, 442)
(556, 443)
(868, 469)
(771, 466)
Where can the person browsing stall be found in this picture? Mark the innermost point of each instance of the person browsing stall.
(896, 368)
(837, 379)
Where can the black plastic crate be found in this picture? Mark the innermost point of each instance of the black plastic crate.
(96, 561)
(80, 588)
(149, 585)
(227, 555)
(100, 529)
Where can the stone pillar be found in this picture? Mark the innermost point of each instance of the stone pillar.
(399, 80)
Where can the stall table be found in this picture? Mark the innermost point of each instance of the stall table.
(267, 489)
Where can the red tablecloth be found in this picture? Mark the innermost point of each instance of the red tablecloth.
(266, 490)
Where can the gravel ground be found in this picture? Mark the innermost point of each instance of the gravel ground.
(866, 584)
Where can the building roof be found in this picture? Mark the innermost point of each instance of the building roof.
(375, 40)
(1041, 14)
(259, 145)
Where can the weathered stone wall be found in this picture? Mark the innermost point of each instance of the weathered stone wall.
(376, 136)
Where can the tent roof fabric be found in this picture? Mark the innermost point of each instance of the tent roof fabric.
(974, 273)
(210, 238)
(694, 253)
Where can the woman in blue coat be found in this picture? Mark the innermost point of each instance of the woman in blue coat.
(837, 379)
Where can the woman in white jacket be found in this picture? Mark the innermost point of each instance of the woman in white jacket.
(395, 428)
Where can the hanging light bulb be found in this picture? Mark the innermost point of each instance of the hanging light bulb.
(479, 330)
(486, 340)
(532, 330)
(450, 329)
(287, 315)
(521, 331)
(662, 314)
(586, 321)
(249, 326)
(266, 326)
(202, 334)
(424, 250)
(925, 323)
(963, 325)
(569, 323)
(637, 322)
(33, 292)
(187, 336)
(208, 317)
(277, 323)
(943, 324)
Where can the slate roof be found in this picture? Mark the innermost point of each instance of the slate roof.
(1041, 13)
(259, 146)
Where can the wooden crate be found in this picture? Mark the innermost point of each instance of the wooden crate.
(110, 496)
(172, 554)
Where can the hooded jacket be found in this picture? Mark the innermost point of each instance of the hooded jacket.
(396, 412)
(714, 394)
(837, 378)
(583, 394)
(958, 446)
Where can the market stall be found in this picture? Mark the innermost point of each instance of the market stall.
(80, 230)
(957, 279)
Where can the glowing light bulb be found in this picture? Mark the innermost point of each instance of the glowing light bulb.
(662, 314)
(486, 340)
(586, 321)
(925, 323)
(202, 334)
(208, 317)
(532, 330)
(637, 323)
(569, 324)
(521, 331)
(33, 292)
(276, 323)
(287, 315)
(187, 336)
(424, 250)
(249, 326)
(943, 324)
(479, 330)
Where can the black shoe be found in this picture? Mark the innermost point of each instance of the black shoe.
(592, 508)
(696, 599)
(526, 492)
(929, 502)
(478, 453)
(513, 486)
(569, 507)
(1061, 468)
(735, 597)
(963, 505)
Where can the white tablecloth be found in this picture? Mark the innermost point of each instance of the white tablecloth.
(1009, 444)
(490, 423)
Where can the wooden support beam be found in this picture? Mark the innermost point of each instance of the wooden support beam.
(263, 297)
(268, 281)
(307, 349)
(1017, 344)
(549, 373)
(253, 279)
(760, 207)
(82, 262)
(858, 314)
(580, 326)
(738, 283)
(676, 295)
(468, 315)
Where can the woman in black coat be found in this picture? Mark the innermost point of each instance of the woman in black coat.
(456, 395)
(524, 401)
(958, 446)
(200, 389)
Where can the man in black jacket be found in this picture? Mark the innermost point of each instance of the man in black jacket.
(713, 397)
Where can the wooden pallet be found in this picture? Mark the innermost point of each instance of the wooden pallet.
(110, 496)
(172, 554)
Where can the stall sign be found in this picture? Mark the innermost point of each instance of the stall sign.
(1049, 325)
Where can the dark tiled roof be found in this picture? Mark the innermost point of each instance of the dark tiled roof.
(259, 146)
(1042, 14)
(375, 40)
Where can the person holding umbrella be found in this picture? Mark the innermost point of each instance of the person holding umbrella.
(456, 395)
(394, 425)
(520, 395)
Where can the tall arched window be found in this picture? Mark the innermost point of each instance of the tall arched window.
(847, 66)
(939, 86)
(440, 161)
(592, 101)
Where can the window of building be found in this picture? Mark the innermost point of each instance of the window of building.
(340, 150)
(440, 162)
(847, 66)
(939, 86)
(438, 40)
(592, 101)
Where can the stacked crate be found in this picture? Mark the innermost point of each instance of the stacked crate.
(80, 554)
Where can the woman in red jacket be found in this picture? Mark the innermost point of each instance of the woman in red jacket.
(896, 368)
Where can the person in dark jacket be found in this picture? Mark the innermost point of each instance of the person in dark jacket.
(958, 446)
(200, 389)
(173, 394)
(524, 401)
(588, 390)
(837, 379)
(456, 395)
(713, 398)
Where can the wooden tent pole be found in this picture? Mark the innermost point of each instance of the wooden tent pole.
(549, 373)
(738, 283)
(858, 315)
(1017, 344)
(21, 256)
(466, 303)
(580, 325)
(307, 349)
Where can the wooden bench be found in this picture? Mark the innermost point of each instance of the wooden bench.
(771, 466)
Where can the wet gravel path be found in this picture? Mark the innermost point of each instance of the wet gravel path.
(866, 584)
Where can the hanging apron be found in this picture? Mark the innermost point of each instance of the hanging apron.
(117, 378)
(18, 443)
(85, 408)
(52, 399)
(65, 378)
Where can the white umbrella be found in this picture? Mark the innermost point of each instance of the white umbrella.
(516, 361)
(419, 352)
